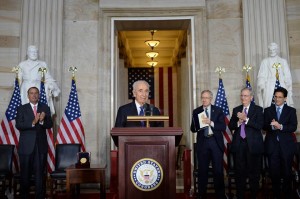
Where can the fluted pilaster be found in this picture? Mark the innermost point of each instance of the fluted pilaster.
(264, 22)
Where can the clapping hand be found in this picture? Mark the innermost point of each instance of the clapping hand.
(275, 124)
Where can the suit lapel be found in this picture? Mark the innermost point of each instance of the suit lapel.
(29, 110)
(250, 111)
(133, 109)
(212, 113)
(283, 112)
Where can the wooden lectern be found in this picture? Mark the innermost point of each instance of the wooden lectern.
(146, 164)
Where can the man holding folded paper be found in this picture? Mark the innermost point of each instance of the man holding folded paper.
(208, 121)
(138, 107)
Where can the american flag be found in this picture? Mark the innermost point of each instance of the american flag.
(70, 128)
(248, 85)
(9, 134)
(135, 74)
(49, 132)
(221, 101)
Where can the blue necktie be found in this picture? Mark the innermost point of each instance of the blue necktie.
(278, 113)
(142, 114)
(206, 130)
(278, 117)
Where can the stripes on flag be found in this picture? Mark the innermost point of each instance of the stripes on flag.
(71, 129)
(9, 134)
(49, 132)
(221, 101)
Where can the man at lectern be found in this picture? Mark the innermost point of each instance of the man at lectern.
(208, 121)
(138, 107)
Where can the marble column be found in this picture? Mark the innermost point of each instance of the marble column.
(41, 22)
(264, 22)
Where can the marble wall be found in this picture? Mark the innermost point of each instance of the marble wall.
(10, 27)
(84, 29)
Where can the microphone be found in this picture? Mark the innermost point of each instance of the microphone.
(151, 109)
(148, 109)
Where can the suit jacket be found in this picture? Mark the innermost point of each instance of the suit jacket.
(29, 134)
(130, 110)
(288, 119)
(252, 129)
(217, 116)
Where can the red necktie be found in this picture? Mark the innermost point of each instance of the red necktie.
(34, 110)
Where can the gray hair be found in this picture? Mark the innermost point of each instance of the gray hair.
(249, 89)
(207, 91)
(134, 85)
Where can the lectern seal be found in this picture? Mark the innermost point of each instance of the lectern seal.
(146, 174)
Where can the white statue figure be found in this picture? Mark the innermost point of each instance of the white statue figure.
(266, 78)
(30, 76)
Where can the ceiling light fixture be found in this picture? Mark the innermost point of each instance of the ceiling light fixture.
(152, 63)
(152, 54)
(152, 43)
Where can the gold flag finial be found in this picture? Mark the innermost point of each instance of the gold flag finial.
(73, 69)
(43, 71)
(220, 70)
(277, 66)
(16, 70)
(247, 68)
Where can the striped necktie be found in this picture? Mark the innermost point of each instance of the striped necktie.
(142, 113)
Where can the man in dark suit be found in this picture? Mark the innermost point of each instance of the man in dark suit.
(280, 122)
(247, 143)
(210, 144)
(138, 107)
(32, 121)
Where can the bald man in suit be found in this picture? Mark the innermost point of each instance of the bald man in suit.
(138, 107)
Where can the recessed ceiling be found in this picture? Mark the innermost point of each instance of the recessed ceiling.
(170, 33)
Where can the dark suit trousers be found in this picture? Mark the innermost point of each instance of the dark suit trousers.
(34, 163)
(210, 152)
(247, 165)
(281, 167)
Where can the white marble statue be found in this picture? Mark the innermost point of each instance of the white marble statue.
(266, 78)
(30, 76)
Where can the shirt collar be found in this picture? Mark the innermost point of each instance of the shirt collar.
(279, 106)
(138, 106)
(32, 105)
